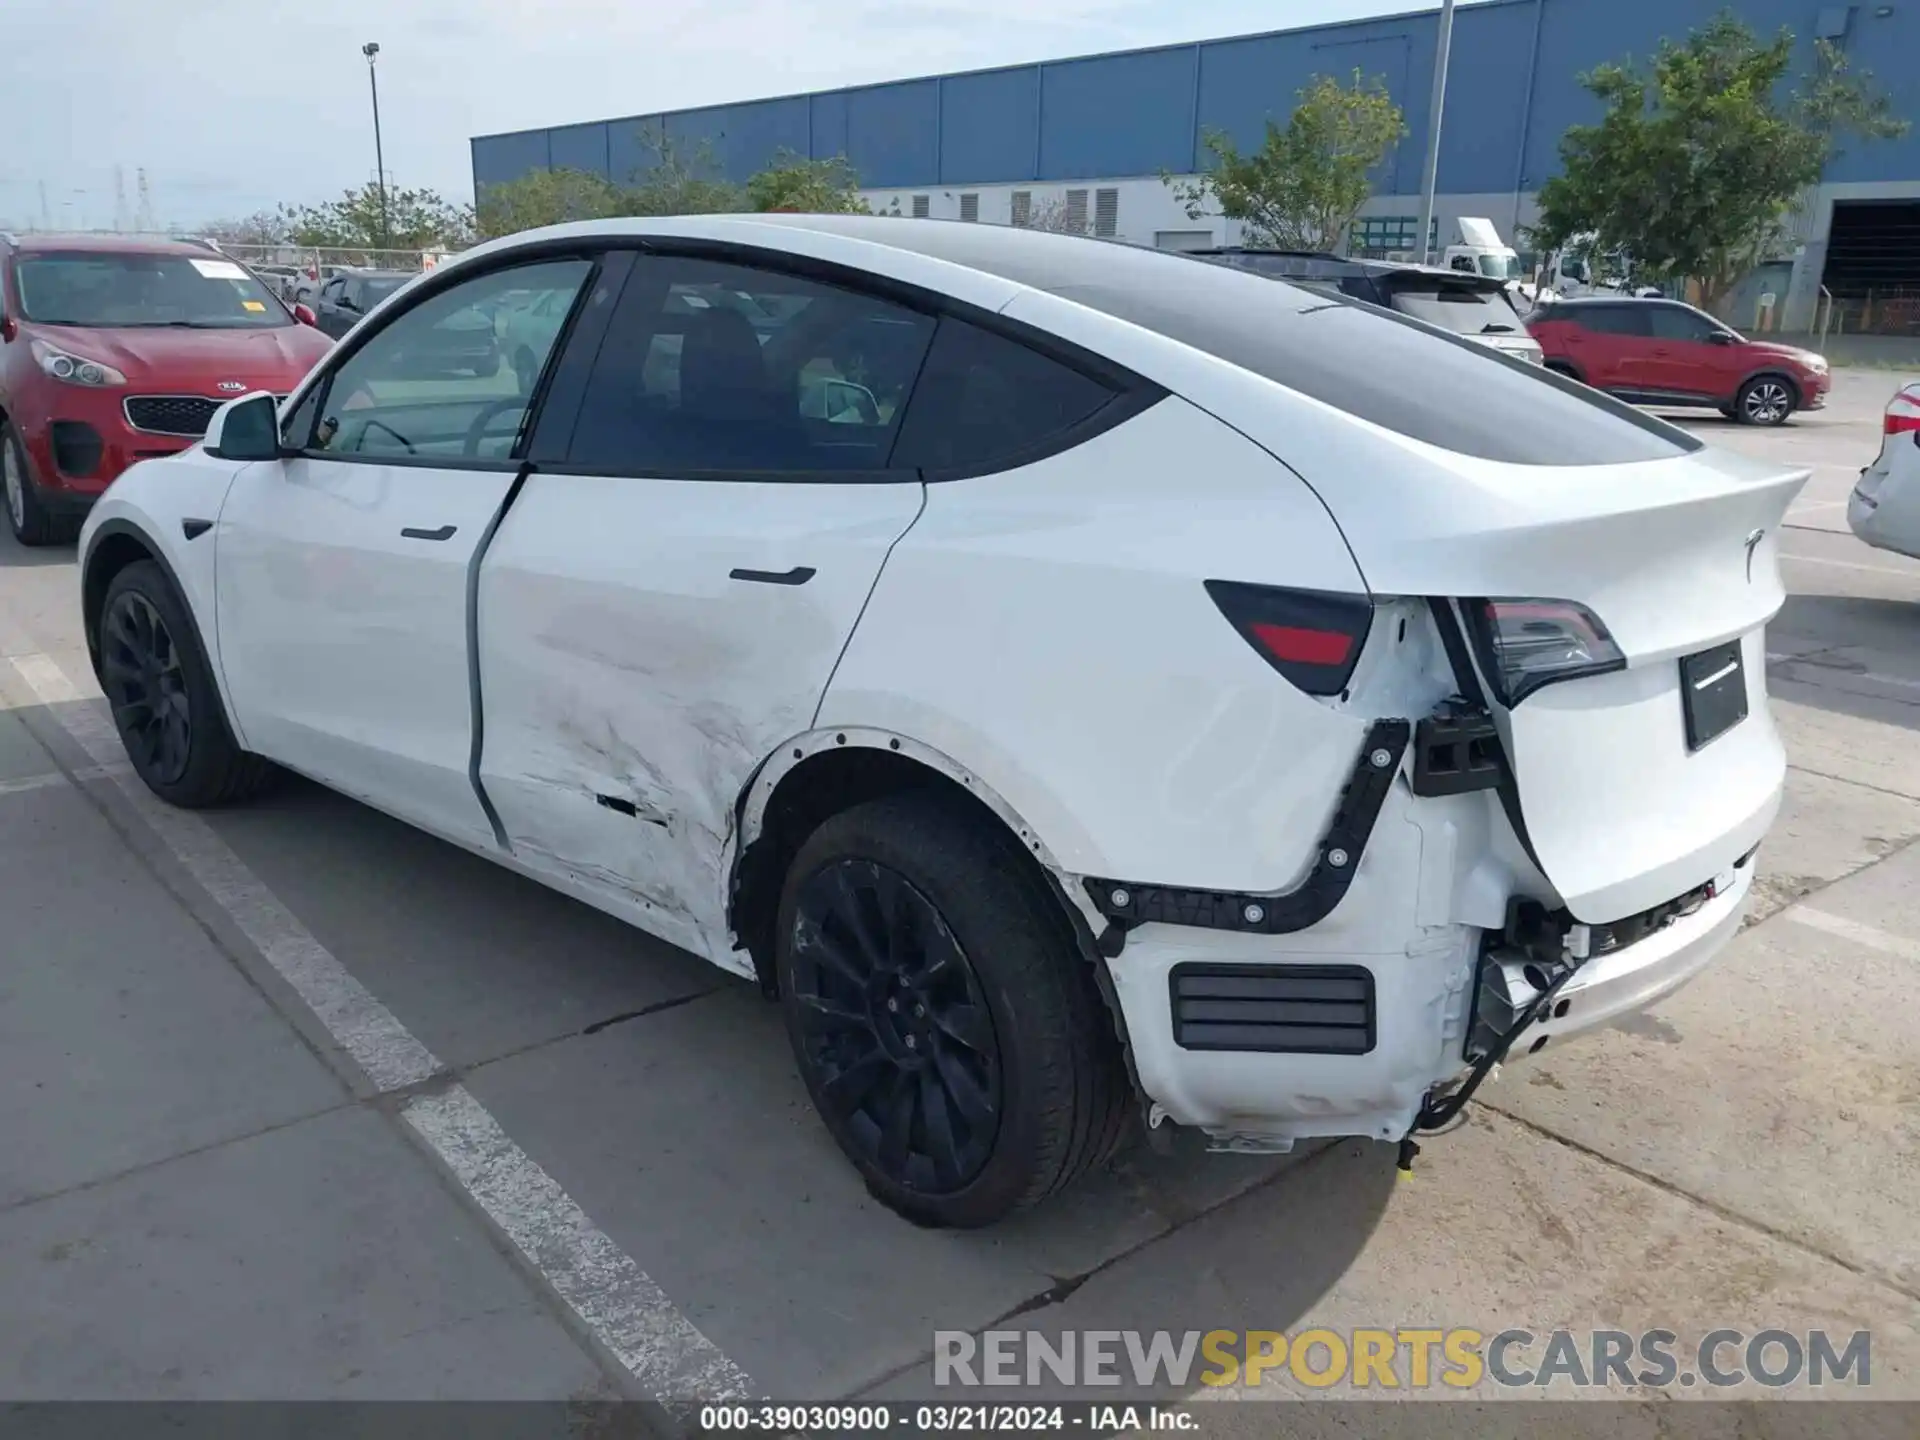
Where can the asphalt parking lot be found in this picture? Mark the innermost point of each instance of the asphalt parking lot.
(594, 1173)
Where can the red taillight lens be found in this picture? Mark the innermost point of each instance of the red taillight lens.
(1312, 637)
(1528, 643)
(1903, 413)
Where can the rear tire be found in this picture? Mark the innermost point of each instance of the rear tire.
(1765, 400)
(27, 515)
(165, 703)
(943, 1019)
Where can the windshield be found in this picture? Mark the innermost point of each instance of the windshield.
(1462, 309)
(1500, 267)
(103, 289)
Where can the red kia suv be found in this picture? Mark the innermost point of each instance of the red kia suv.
(1661, 352)
(114, 350)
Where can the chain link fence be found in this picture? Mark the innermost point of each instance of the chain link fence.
(1888, 310)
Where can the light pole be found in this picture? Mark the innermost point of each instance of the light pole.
(370, 50)
(1432, 175)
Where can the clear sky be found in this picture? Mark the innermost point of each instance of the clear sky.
(234, 105)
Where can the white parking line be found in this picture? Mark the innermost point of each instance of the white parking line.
(1848, 565)
(1871, 936)
(363, 1027)
(626, 1310)
(619, 1303)
(31, 782)
(1778, 659)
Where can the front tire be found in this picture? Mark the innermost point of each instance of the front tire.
(165, 704)
(1765, 400)
(27, 515)
(942, 1017)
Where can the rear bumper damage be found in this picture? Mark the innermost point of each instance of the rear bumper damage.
(1262, 1049)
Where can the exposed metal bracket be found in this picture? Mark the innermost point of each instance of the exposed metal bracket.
(1125, 904)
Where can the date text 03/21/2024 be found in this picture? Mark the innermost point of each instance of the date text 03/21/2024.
(1085, 1417)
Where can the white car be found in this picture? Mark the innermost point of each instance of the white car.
(1179, 696)
(1884, 509)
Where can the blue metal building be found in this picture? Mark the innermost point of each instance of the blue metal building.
(1095, 133)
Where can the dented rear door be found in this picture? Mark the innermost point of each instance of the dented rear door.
(664, 604)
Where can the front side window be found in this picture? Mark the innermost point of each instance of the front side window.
(432, 383)
(1676, 322)
(709, 366)
(100, 289)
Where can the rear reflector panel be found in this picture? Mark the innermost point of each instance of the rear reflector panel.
(1273, 1009)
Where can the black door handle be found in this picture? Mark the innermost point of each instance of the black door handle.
(445, 532)
(799, 575)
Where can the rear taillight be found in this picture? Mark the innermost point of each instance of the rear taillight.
(1312, 637)
(1903, 414)
(1526, 644)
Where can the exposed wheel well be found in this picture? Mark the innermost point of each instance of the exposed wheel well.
(831, 781)
(1563, 367)
(110, 556)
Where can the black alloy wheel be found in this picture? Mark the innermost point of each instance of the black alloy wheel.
(895, 1026)
(166, 705)
(146, 683)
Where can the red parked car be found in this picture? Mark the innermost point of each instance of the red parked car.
(114, 350)
(1661, 352)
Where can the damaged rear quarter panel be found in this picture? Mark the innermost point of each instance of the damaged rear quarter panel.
(631, 687)
(1048, 628)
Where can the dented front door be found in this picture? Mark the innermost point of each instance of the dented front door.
(644, 645)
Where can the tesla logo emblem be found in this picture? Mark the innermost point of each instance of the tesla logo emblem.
(1753, 543)
(232, 387)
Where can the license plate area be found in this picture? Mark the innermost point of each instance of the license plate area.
(1713, 692)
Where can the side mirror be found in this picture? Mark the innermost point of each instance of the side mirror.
(1719, 337)
(9, 329)
(304, 314)
(245, 429)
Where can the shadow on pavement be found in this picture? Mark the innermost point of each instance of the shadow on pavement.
(1825, 637)
(15, 556)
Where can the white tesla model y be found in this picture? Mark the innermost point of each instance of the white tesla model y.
(1079, 682)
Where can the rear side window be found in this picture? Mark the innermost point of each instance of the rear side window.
(985, 402)
(1613, 319)
(713, 367)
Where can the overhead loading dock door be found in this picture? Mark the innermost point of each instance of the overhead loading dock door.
(1873, 267)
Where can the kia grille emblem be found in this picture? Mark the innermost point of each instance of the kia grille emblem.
(230, 386)
(1753, 543)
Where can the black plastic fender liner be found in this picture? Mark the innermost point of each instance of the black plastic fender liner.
(1125, 904)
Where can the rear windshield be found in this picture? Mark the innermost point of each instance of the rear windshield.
(383, 286)
(1463, 309)
(107, 290)
(1426, 383)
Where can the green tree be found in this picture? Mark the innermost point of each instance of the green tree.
(813, 187)
(680, 180)
(412, 220)
(1703, 154)
(547, 197)
(1301, 189)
